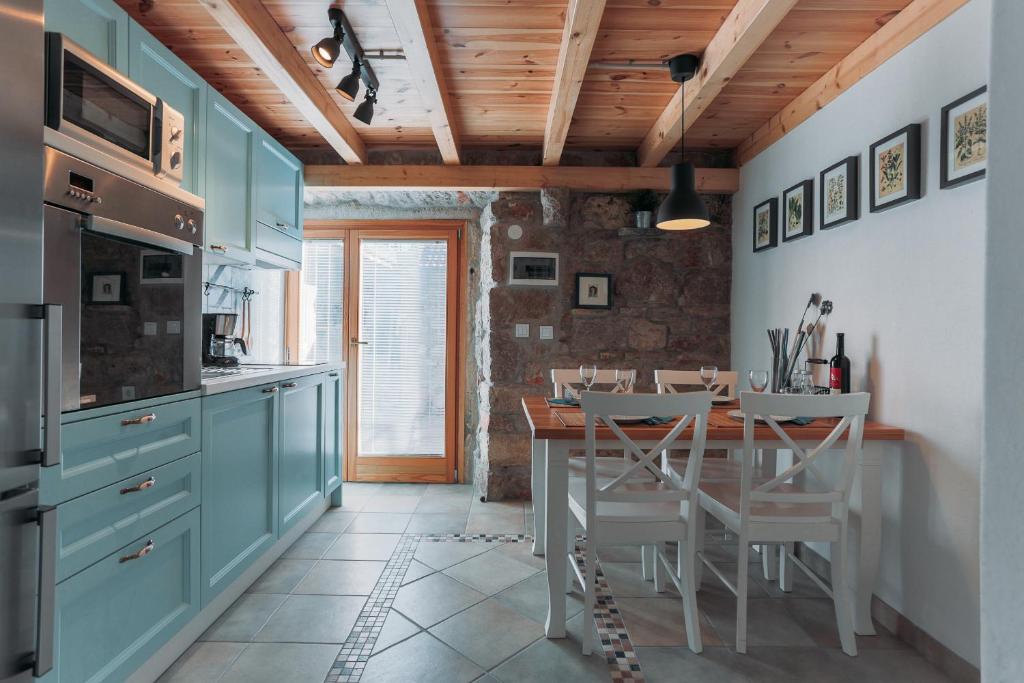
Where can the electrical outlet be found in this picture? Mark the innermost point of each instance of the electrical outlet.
(522, 330)
(547, 332)
(128, 393)
(149, 329)
(173, 327)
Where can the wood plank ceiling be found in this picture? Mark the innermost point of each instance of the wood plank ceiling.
(499, 59)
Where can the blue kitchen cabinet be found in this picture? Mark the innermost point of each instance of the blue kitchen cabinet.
(301, 466)
(162, 73)
(240, 494)
(114, 615)
(100, 26)
(230, 145)
(334, 430)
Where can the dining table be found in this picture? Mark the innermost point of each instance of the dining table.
(558, 430)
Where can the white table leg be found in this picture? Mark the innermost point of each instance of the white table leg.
(538, 491)
(870, 549)
(556, 496)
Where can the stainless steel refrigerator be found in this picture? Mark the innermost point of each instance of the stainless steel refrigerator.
(22, 334)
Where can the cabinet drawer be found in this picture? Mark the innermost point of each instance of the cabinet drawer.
(104, 450)
(114, 615)
(95, 525)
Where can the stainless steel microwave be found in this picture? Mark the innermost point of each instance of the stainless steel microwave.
(90, 102)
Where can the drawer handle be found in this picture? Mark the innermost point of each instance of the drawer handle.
(290, 385)
(286, 226)
(270, 390)
(141, 420)
(142, 486)
(332, 374)
(219, 248)
(140, 553)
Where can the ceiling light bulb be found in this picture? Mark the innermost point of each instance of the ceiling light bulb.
(326, 51)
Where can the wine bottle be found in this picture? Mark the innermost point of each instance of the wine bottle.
(839, 368)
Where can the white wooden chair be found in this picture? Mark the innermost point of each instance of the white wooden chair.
(620, 509)
(563, 381)
(669, 382)
(797, 504)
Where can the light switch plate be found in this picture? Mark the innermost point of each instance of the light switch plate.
(522, 330)
(173, 327)
(149, 329)
(547, 332)
(128, 393)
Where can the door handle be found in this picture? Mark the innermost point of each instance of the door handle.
(356, 342)
(290, 385)
(53, 315)
(140, 420)
(270, 390)
(47, 603)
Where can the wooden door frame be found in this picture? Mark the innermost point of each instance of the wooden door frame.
(345, 230)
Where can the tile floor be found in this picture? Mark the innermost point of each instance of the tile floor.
(360, 597)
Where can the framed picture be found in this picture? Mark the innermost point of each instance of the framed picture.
(896, 168)
(107, 288)
(838, 193)
(593, 290)
(798, 207)
(766, 224)
(160, 268)
(964, 152)
(533, 268)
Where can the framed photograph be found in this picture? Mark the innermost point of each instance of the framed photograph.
(964, 152)
(896, 168)
(766, 224)
(798, 207)
(107, 288)
(838, 193)
(593, 290)
(160, 268)
(533, 268)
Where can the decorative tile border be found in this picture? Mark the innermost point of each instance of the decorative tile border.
(348, 667)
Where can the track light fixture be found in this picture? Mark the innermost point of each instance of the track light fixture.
(327, 51)
(349, 85)
(364, 112)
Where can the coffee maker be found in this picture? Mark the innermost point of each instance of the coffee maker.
(220, 345)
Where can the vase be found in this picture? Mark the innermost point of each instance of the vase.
(643, 219)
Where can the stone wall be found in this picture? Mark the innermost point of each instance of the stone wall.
(670, 310)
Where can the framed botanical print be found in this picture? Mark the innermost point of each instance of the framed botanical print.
(838, 193)
(797, 207)
(766, 224)
(964, 152)
(896, 168)
(593, 290)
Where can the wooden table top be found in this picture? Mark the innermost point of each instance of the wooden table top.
(546, 425)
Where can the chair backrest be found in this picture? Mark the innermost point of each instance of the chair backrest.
(668, 381)
(566, 380)
(849, 410)
(690, 408)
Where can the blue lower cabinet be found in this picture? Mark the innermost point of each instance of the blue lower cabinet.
(301, 467)
(240, 493)
(334, 431)
(114, 615)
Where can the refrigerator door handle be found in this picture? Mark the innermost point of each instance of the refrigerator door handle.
(47, 604)
(54, 387)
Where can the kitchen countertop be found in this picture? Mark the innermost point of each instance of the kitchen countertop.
(219, 380)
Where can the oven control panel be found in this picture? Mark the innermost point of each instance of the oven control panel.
(169, 161)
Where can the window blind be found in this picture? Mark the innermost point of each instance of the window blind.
(321, 301)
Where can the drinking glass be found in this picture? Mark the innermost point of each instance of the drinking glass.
(625, 379)
(588, 375)
(758, 380)
(708, 375)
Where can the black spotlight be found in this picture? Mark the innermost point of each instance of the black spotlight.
(349, 85)
(326, 52)
(364, 112)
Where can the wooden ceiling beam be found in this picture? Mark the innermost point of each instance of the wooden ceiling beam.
(582, 21)
(254, 29)
(911, 23)
(416, 32)
(748, 25)
(512, 178)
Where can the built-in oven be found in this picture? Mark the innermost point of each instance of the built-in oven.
(90, 103)
(122, 269)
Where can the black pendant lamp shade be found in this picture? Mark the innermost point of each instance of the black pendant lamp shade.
(683, 209)
(364, 112)
(349, 85)
(326, 51)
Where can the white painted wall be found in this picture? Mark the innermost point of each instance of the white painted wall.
(1002, 470)
(908, 286)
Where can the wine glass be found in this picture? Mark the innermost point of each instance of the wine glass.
(588, 375)
(625, 379)
(708, 375)
(758, 380)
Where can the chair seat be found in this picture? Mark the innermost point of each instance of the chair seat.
(626, 512)
(722, 498)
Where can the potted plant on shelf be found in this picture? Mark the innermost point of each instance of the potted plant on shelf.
(643, 203)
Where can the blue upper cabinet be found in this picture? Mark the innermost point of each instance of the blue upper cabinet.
(230, 145)
(100, 26)
(159, 71)
(279, 187)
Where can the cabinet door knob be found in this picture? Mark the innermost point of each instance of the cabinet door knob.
(140, 553)
(270, 390)
(142, 486)
(290, 385)
(141, 420)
